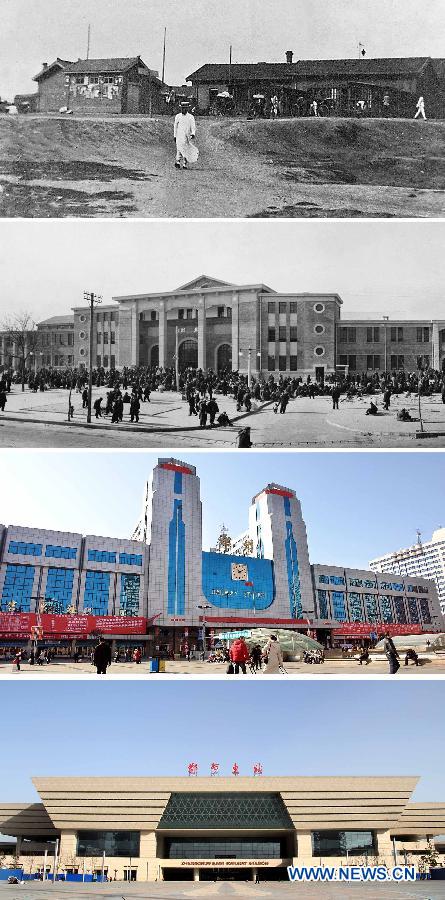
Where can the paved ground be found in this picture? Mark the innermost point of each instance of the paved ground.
(430, 666)
(40, 420)
(245, 890)
(123, 166)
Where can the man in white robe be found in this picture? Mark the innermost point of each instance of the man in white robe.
(420, 106)
(184, 136)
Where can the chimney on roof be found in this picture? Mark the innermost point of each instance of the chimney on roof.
(44, 65)
(289, 56)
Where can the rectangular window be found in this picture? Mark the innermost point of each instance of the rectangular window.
(98, 361)
(189, 314)
(293, 306)
(355, 607)
(22, 548)
(397, 362)
(425, 611)
(323, 579)
(271, 335)
(423, 335)
(386, 608)
(101, 556)
(271, 364)
(112, 338)
(220, 312)
(373, 363)
(130, 559)
(59, 590)
(371, 608)
(114, 843)
(70, 340)
(56, 552)
(342, 843)
(282, 307)
(338, 606)
(180, 313)
(17, 588)
(337, 579)
(97, 592)
(323, 605)
(399, 609)
(352, 362)
(355, 582)
(282, 363)
(396, 335)
(129, 595)
(282, 333)
(413, 611)
(372, 335)
(293, 360)
(293, 333)
(99, 337)
(105, 362)
(153, 316)
(271, 307)
(105, 337)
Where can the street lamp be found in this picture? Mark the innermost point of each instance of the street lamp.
(204, 606)
(91, 299)
(249, 352)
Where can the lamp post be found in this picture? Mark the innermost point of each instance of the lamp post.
(249, 352)
(91, 299)
(204, 606)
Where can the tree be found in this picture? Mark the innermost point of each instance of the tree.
(429, 858)
(21, 332)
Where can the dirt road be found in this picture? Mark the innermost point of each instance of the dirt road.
(108, 167)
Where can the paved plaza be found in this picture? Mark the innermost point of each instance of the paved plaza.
(40, 420)
(421, 890)
(338, 667)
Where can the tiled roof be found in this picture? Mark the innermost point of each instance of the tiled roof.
(311, 68)
(57, 64)
(117, 64)
(57, 320)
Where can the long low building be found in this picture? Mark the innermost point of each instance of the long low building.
(185, 828)
(213, 324)
(155, 586)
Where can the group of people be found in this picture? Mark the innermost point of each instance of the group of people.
(101, 656)
(268, 659)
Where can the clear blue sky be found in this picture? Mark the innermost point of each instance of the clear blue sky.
(292, 728)
(356, 505)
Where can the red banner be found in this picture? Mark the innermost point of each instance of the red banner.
(364, 629)
(20, 624)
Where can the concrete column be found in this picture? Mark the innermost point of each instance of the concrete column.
(15, 359)
(384, 846)
(235, 332)
(304, 844)
(435, 356)
(148, 844)
(202, 333)
(18, 846)
(195, 874)
(162, 333)
(134, 335)
(67, 847)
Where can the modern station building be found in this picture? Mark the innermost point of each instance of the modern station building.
(161, 586)
(212, 324)
(200, 828)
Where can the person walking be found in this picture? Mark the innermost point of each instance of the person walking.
(97, 406)
(387, 398)
(3, 400)
(420, 107)
(336, 392)
(17, 660)
(102, 657)
(184, 133)
(273, 656)
(239, 654)
(137, 655)
(135, 406)
(391, 654)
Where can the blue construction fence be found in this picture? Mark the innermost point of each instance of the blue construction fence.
(18, 873)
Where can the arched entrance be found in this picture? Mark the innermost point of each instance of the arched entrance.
(224, 357)
(154, 355)
(188, 355)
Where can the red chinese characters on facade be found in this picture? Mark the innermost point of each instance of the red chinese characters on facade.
(257, 769)
(192, 768)
(214, 768)
(235, 769)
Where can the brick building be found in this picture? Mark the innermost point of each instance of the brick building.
(100, 86)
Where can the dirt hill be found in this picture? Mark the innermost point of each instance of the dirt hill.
(302, 167)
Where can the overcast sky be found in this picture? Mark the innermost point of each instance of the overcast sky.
(332, 728)
(378, 268)
(36, 31)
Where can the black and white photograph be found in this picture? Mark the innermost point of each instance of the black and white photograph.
(245, 334)
(291, 108)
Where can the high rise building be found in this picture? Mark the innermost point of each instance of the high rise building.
(425, 559)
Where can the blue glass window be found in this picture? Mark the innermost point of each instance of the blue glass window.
(412, 589)
(101, 556)
(338, 606)
(369, 584)
(413, 611)
(287, 511)
(397, 586)
(356, 582)
(178, 483)
(371, 608)
(425, 611)
(337, 579)
(56, 552)
(339, 843)
(323, 606)
(97, 592)
(323, 579)
(17, 587)
(355, 607)
(130, 559)
(399, 607)
(385, 606)
(24, 549)
(59, 589)
(129, 596)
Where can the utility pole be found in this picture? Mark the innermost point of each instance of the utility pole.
(163, 56)
(89, 41)
(92, 299)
